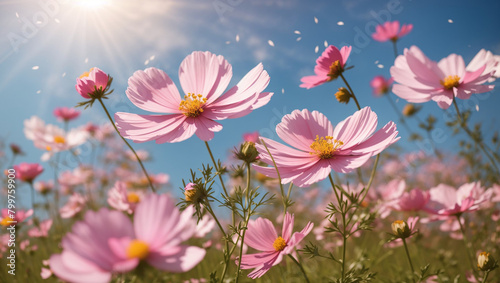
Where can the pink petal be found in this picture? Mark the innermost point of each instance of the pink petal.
(453, 65)
(70, 267)
(287, 226)
(261, 235)
(313, 81)
(297, 237)
(205, 128)
(378, 142)
(269, 261)
(184, 259)
(356, 128)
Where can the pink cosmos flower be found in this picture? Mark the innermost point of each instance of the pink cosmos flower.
(321, 148)
(45, 273)
(121, 199)
(388, 195)
(75, 204)
(204, 77)
(380, 85)
(27, 172)
(447, 201)
(66, 114)
(91, 81)
(328, 66)
(415, 200)
(421, 79)
(390, 31)
(19, 216)
(42, 230)
(155, 236)
(261, 235)
(492, 62)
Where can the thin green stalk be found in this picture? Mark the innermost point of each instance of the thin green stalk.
(300, 266)
(344, 238)
(409, 259)
(350, 89)
(486, 276)
(395, 47)
(217, 169)
(466, 242)
(247, 218)
(285, 200)
(129, 146)
(288, 196)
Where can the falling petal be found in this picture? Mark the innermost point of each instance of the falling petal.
(152, 58)
(17, 15)
(38, 22)
(326, 43)
(315, 20)
(270, 43)
(57, 20)
(299, 38)
(86, 60)
(63, 74)
(282, 90)
(237, 38)
(38, 91)
(316, 49)
(340, 23)
(477, 107)
(35, 67)
(376, 62)
(450, 21)
(146, 62)
(228, 42)
(380, 66)
(296, 32)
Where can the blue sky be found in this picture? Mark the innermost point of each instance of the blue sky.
(46, 44)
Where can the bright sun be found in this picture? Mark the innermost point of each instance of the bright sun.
(92, 4)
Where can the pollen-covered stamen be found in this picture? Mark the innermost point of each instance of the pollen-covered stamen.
(450, 82)
(133, 198)
(325, 147)
(335, 70)
(279, 244)
(137, 249)
(192, 105)
(59, 139)
(6, 221)
(86, 74)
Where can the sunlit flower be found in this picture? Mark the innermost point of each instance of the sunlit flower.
(402, 229)
(390, 31)
(42, 230)
(492, 62)
(155, 236)
(75, 204)
(121, 199)
(27, 172)
(421, 79)
(66, 114)
(321, 148)
(328, 67)
(204, 77)
(261, 235)
(92, 84)
(380, 85)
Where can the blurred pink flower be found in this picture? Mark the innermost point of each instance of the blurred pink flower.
(261, 235)
(75, 204)
(27, 172)
(42, 230)
(380, 85)
(447, 201)
(328, 66)
(45, 273)
(44, 187)
(321, 148)
(121, 199)
(204, 226)
(390, 31)
(66, 114)
(155, 236)
(90, 82)
(19, 216)
(421, 79)
(203, 76)
(415, 200)
(251, 137)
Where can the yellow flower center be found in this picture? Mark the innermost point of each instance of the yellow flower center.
(5, 221)
(133, 197)
(279, 244)
(192, 105)
(137, 249)
(450, 82)
(59, 139)
(335, 70)
(325, 147)
(86, 74)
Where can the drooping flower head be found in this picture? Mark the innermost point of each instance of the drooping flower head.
(320, 148)
(261, 235)
(421, 79)
(93, 84)
(328, 67)
(66, 114)
(204, 77)
(27, 172)
(390, 31)
(381, 85)
(155, 236)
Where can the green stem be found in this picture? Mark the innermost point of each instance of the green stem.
(217, 169)
(486, 276)
(409, 258)
(285, 200)
(247, 218)
(226, 244)
(344, 238)
(350, 89)
(395, 47)
(129, 146)
(300, 266)
(288, 196)
(466, 242)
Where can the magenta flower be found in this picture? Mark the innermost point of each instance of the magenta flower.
(421, 79)
(91, 83)
(19, 216)
(328, 66)
(380, 85)
(261, 235)
(321, 148)
(66, 114)
(204, 77)
(447, 201)
(27, 172)
(107, 242)
(391, 31)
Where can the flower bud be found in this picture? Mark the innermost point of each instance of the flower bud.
(485, 262)
(248, 152)
(410, 110)
(401, 229)
(343, 95)
(190, 192)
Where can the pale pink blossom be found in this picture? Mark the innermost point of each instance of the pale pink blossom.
(44, 187)
(66, 114)
(421, 79)
(27, 172)
(328, 67)
(390, 31)
(322, 148)
(42, 230)
(204, 77)
(107, 242)
(75, 204)
(492, 62)
(261, 235)
(447, 201)
(414, 200)
(204, 226)
(381, 85)
(122, 199)
(388, 195)
(90, 82)
(45, 273)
